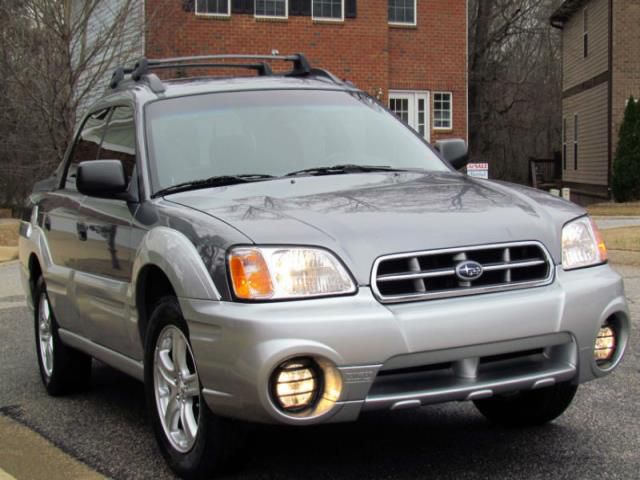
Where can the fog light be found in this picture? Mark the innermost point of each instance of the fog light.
(605, 345)
(296, 385)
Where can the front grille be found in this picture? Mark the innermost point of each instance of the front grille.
(432, 274)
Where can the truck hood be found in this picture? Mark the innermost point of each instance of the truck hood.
(363, 216)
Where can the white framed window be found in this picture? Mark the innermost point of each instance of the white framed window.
(443, 111)
(399, 104)
(213, 8)
(332, 10)
(413, 109)
(402, 12)
(272, 8)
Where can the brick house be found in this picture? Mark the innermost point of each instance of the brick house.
(411, 54)
(601, 69)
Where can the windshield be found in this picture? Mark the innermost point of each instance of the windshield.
(275, 133)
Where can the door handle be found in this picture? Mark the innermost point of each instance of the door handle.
(82, 231)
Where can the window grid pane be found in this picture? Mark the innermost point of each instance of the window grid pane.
(402, 11)
(212, 7)
(271, 8)
(442, 110)
(327, 9)
(400, 106)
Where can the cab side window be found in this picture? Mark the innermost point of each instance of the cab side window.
(119, 141)
(87, 145)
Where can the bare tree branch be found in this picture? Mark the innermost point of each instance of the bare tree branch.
(56, 55)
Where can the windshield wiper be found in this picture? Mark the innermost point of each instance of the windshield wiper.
(348, 168)
(218, 181)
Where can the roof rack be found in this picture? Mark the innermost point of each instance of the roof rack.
(142, 69)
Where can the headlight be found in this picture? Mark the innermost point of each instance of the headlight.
(284, 273)
(582, 244)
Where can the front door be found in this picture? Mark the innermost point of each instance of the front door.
(60, 218)
(413, 109)
(104, 270)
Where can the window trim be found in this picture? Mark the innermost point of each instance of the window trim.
(585, 32)
(576, 141)
(564, 143)
(450, 127)
(286, 11)
(415, 16)
(328, 19)
(219, 15)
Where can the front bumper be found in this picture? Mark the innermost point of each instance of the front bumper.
(396, 356)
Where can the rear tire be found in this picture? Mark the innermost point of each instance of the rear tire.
(194, 442)
(63, 369)
(530, 408)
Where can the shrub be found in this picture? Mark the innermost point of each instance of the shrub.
(626, 166)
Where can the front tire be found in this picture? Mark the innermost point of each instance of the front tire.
(62, 369)
(195, 442)
(531, 408)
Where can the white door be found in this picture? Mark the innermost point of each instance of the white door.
(413, 108)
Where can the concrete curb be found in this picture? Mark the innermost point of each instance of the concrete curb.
(26, 455)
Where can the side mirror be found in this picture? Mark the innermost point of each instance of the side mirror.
(454, 151)
(101, 178)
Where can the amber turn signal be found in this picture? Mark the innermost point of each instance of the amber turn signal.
(250, 275)
(602, 247)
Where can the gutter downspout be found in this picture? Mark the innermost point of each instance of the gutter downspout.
(467, 67)
(559, 24)
(610, 103)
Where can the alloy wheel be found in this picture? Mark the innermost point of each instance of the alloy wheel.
(45, 335)
(176, 388)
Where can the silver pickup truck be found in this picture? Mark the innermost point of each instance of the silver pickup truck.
(280, 248)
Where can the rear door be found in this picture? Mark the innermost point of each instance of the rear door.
(60, 218)
(104, 272)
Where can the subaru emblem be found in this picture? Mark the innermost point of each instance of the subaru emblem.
(469, 271)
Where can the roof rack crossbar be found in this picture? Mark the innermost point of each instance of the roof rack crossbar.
(301, 65)
(262, 68)
(143, 67)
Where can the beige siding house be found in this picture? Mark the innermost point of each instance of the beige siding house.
(601, 69)
(127, 44)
